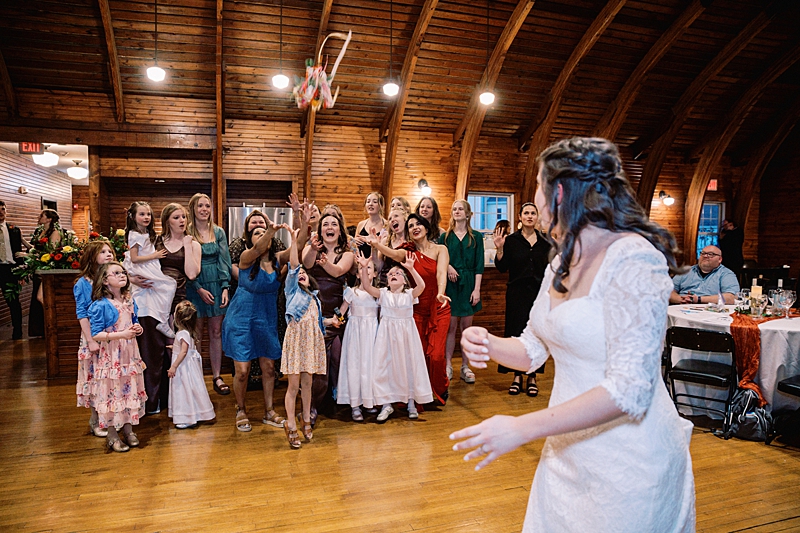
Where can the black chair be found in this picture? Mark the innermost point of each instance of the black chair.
(790, 385)
(721, 375)
(786, 423)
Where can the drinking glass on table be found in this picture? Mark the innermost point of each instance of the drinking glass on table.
(761, 304)
(773, 297)
(744, 296)
(786, 299)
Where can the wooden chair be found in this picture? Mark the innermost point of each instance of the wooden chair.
(698, 371)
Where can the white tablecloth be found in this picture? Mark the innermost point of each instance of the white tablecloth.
(780, 352)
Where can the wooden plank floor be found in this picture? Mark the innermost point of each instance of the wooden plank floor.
(397, 477)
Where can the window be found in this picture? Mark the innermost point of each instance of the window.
(488, 208)
(711, 218)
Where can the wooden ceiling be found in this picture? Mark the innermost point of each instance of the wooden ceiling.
(60, 45)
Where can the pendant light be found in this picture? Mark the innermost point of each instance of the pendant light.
(77, 172)
(487, 96)
(47, 159)
(279, 80)
(390, 88)
(155, 72)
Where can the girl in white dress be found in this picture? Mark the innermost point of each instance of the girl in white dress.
(616, 456)
(400, 372)
(355, 387)
(188, 396)
(142, 259)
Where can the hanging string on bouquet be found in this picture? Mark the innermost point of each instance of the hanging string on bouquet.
(315, 89)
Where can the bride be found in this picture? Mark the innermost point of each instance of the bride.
(616, 456)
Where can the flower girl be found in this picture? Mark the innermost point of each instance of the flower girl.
(142, 259)
(400, 372)
(188, 396)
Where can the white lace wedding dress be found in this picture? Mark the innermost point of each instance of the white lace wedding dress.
(633, 474)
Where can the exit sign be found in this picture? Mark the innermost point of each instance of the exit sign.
(31, 148)
(712, 185)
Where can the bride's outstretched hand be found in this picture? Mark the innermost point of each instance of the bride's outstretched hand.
(475, 345)
(491, 438)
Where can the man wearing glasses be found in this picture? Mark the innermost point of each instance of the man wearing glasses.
(705, 281)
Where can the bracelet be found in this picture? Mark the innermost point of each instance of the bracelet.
(699, 299)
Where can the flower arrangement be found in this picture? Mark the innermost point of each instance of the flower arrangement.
(67, 255)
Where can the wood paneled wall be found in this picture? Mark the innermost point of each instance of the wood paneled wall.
(23, 209)
(80, 215)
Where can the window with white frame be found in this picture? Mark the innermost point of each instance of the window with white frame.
(711, 217)
(488, 208)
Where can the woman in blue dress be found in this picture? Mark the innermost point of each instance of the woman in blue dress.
(250, 329)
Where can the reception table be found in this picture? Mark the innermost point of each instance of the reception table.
(780, 352)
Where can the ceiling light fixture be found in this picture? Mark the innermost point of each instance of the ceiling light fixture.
(487, 96)
(77, 172)
(155, 72)
(47, 159)
(390, 88)
(424, 187)
(279, 80)
(665, 198)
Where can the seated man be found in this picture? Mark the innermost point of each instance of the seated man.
(705, 281)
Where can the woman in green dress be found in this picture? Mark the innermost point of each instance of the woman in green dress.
(209, 291)
(463, 278)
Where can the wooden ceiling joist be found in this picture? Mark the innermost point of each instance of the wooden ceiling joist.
(716, 148)
(780, 128)
(537, 135)
(407, 74)
(612, 120)
(113, 60)
(8, 88)
(470, 125)
(218, 189)
(669, 128)
(310, 116)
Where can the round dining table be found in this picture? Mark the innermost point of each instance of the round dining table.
(780, 354)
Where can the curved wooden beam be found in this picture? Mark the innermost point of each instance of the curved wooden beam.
(781, 126)
(396, 121)
(716, 148)
(670, 128)
(473, 118)
(8, 88)
(310, 116)
(610, 123)
(113, 59)
(537, 135)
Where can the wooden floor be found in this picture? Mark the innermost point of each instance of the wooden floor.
(401, 476)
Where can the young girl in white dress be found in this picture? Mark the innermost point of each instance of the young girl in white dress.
(142, 259)
(400, 372)
(355, 387)
(188, 397)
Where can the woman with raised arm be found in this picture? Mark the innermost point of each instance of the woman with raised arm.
(524, 255)
(373, 207)
(329, 261)
(394, 239)
(616, 456)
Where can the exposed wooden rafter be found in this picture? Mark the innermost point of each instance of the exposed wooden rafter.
(610, 123)
(113, 59)
(8, 88)
(779, 128)
(716, 148)
(472, 121)
(669, 129)
(537, 135)
(218, 189)
(310, 116)
(406, 75)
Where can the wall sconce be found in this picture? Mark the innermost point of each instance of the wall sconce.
(424, 187)
(666, 199)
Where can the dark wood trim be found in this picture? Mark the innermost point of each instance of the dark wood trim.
(609, 124)
(407, 74)
(95, 179)
(728, 128)
(113, 59)
(218, 177)
(537, 135)
(665, 134)
(8, 88)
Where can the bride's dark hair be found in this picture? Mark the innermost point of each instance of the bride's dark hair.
(595, 192)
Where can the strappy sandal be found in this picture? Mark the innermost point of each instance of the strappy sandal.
(516, 387)
(117, 445)
(307, 433)
(293, 437)
(131, 439)
(532, 389)
(222, 390)
(273, 420)
(242, 422)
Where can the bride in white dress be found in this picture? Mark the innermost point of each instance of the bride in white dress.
(616, 456)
